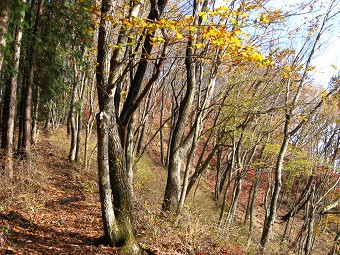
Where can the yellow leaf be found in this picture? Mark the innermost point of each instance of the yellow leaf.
(198, 45)
(179, 36)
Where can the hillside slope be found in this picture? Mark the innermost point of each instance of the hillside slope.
(53, 208)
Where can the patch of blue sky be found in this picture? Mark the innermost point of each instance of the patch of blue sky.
(294, 34)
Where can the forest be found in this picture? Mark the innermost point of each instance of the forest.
(169, 127)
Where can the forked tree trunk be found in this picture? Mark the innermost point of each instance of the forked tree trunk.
(112, 132)
(176, 152)
(115, 191)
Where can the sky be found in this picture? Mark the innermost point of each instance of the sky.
(329, 53)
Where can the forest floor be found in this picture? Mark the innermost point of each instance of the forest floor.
(58, 216)
(52, 207)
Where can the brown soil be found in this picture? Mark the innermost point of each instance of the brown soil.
(65, 219)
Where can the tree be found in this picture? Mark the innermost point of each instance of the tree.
(4, 20)
(291, 128)
(11, 96)
(115, 190)
(28, 96)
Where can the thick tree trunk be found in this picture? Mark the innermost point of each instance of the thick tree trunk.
(187, 172)
(111, 154)
(9, 121)
(173, 185)
(108, 217)
(4, 20)
(26, 142)
(121, 191)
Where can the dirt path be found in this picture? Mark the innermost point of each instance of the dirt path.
(68, 222)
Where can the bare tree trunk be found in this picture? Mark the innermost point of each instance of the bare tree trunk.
(286, 231)
(122, 194)
(80, 118)
(108, 216)
(252, 203)
(48, 118)
(161, 135)
(4, 20)
(176, 150)
(144, 122)
(225, 197)
(234, 200)
(186, 174)
(172, 190)
(5, 114)
(310, 232)
(218, 173)
(89, 125)
(129, 151)
(303, 200)
(9, 122)
(35, 129)
(73, 124)
(26, 145)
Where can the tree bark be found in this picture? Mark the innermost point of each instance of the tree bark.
(73, 124)
(108, 217)
(176, 152)
(26, 142)
(4, 20)
(269, 222)
(9, 121)
(112, 132)
(35, 129)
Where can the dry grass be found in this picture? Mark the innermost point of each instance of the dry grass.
(25, 190)
(42, 184)
(197, 231)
